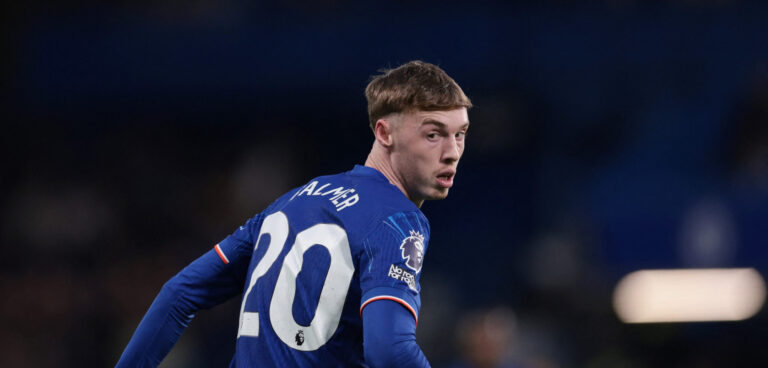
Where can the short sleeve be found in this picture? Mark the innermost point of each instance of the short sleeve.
(390, 266)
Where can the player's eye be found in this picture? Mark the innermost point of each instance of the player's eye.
(432, 135)
(461, 135)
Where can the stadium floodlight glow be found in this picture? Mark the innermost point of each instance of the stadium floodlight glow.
(689, 295)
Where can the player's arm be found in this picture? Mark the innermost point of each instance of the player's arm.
(389, 278)
(389, 339)
(208, 281)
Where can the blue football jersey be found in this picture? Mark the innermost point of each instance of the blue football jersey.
(319, 254)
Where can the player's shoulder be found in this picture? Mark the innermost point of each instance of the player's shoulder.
(359, 199)
(379, 199)
(392, 212)
(360, 190)
(401, 225)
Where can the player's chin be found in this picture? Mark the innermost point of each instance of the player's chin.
(438, 193)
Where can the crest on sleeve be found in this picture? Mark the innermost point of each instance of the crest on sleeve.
(413, 250)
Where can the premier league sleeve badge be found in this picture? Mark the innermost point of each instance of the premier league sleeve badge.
(413, 251)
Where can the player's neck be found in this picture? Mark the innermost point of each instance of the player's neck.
(379, 161)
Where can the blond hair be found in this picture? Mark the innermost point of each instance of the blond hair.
(415, 85)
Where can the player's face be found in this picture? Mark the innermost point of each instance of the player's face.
(427, 147)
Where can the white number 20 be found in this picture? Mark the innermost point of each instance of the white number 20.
(330, 236)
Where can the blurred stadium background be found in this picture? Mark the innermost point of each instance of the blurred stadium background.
(608, 137)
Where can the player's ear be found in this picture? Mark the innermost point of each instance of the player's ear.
(383, 132)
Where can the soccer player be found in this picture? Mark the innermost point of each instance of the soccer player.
(329, 272)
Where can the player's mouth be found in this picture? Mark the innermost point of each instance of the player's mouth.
(445, 178)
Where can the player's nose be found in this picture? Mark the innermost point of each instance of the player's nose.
(451, 150)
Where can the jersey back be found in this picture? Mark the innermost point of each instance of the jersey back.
(318, 255)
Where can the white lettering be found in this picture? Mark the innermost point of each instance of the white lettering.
(307, 189)
(317, 192)
(335, 199)
(340, 197)
(349, 202)
(334, 191)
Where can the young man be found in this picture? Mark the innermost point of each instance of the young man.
(330, 271)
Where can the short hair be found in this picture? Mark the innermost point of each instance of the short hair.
(415, 85)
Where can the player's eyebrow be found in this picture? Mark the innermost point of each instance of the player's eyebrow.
(440, 124)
